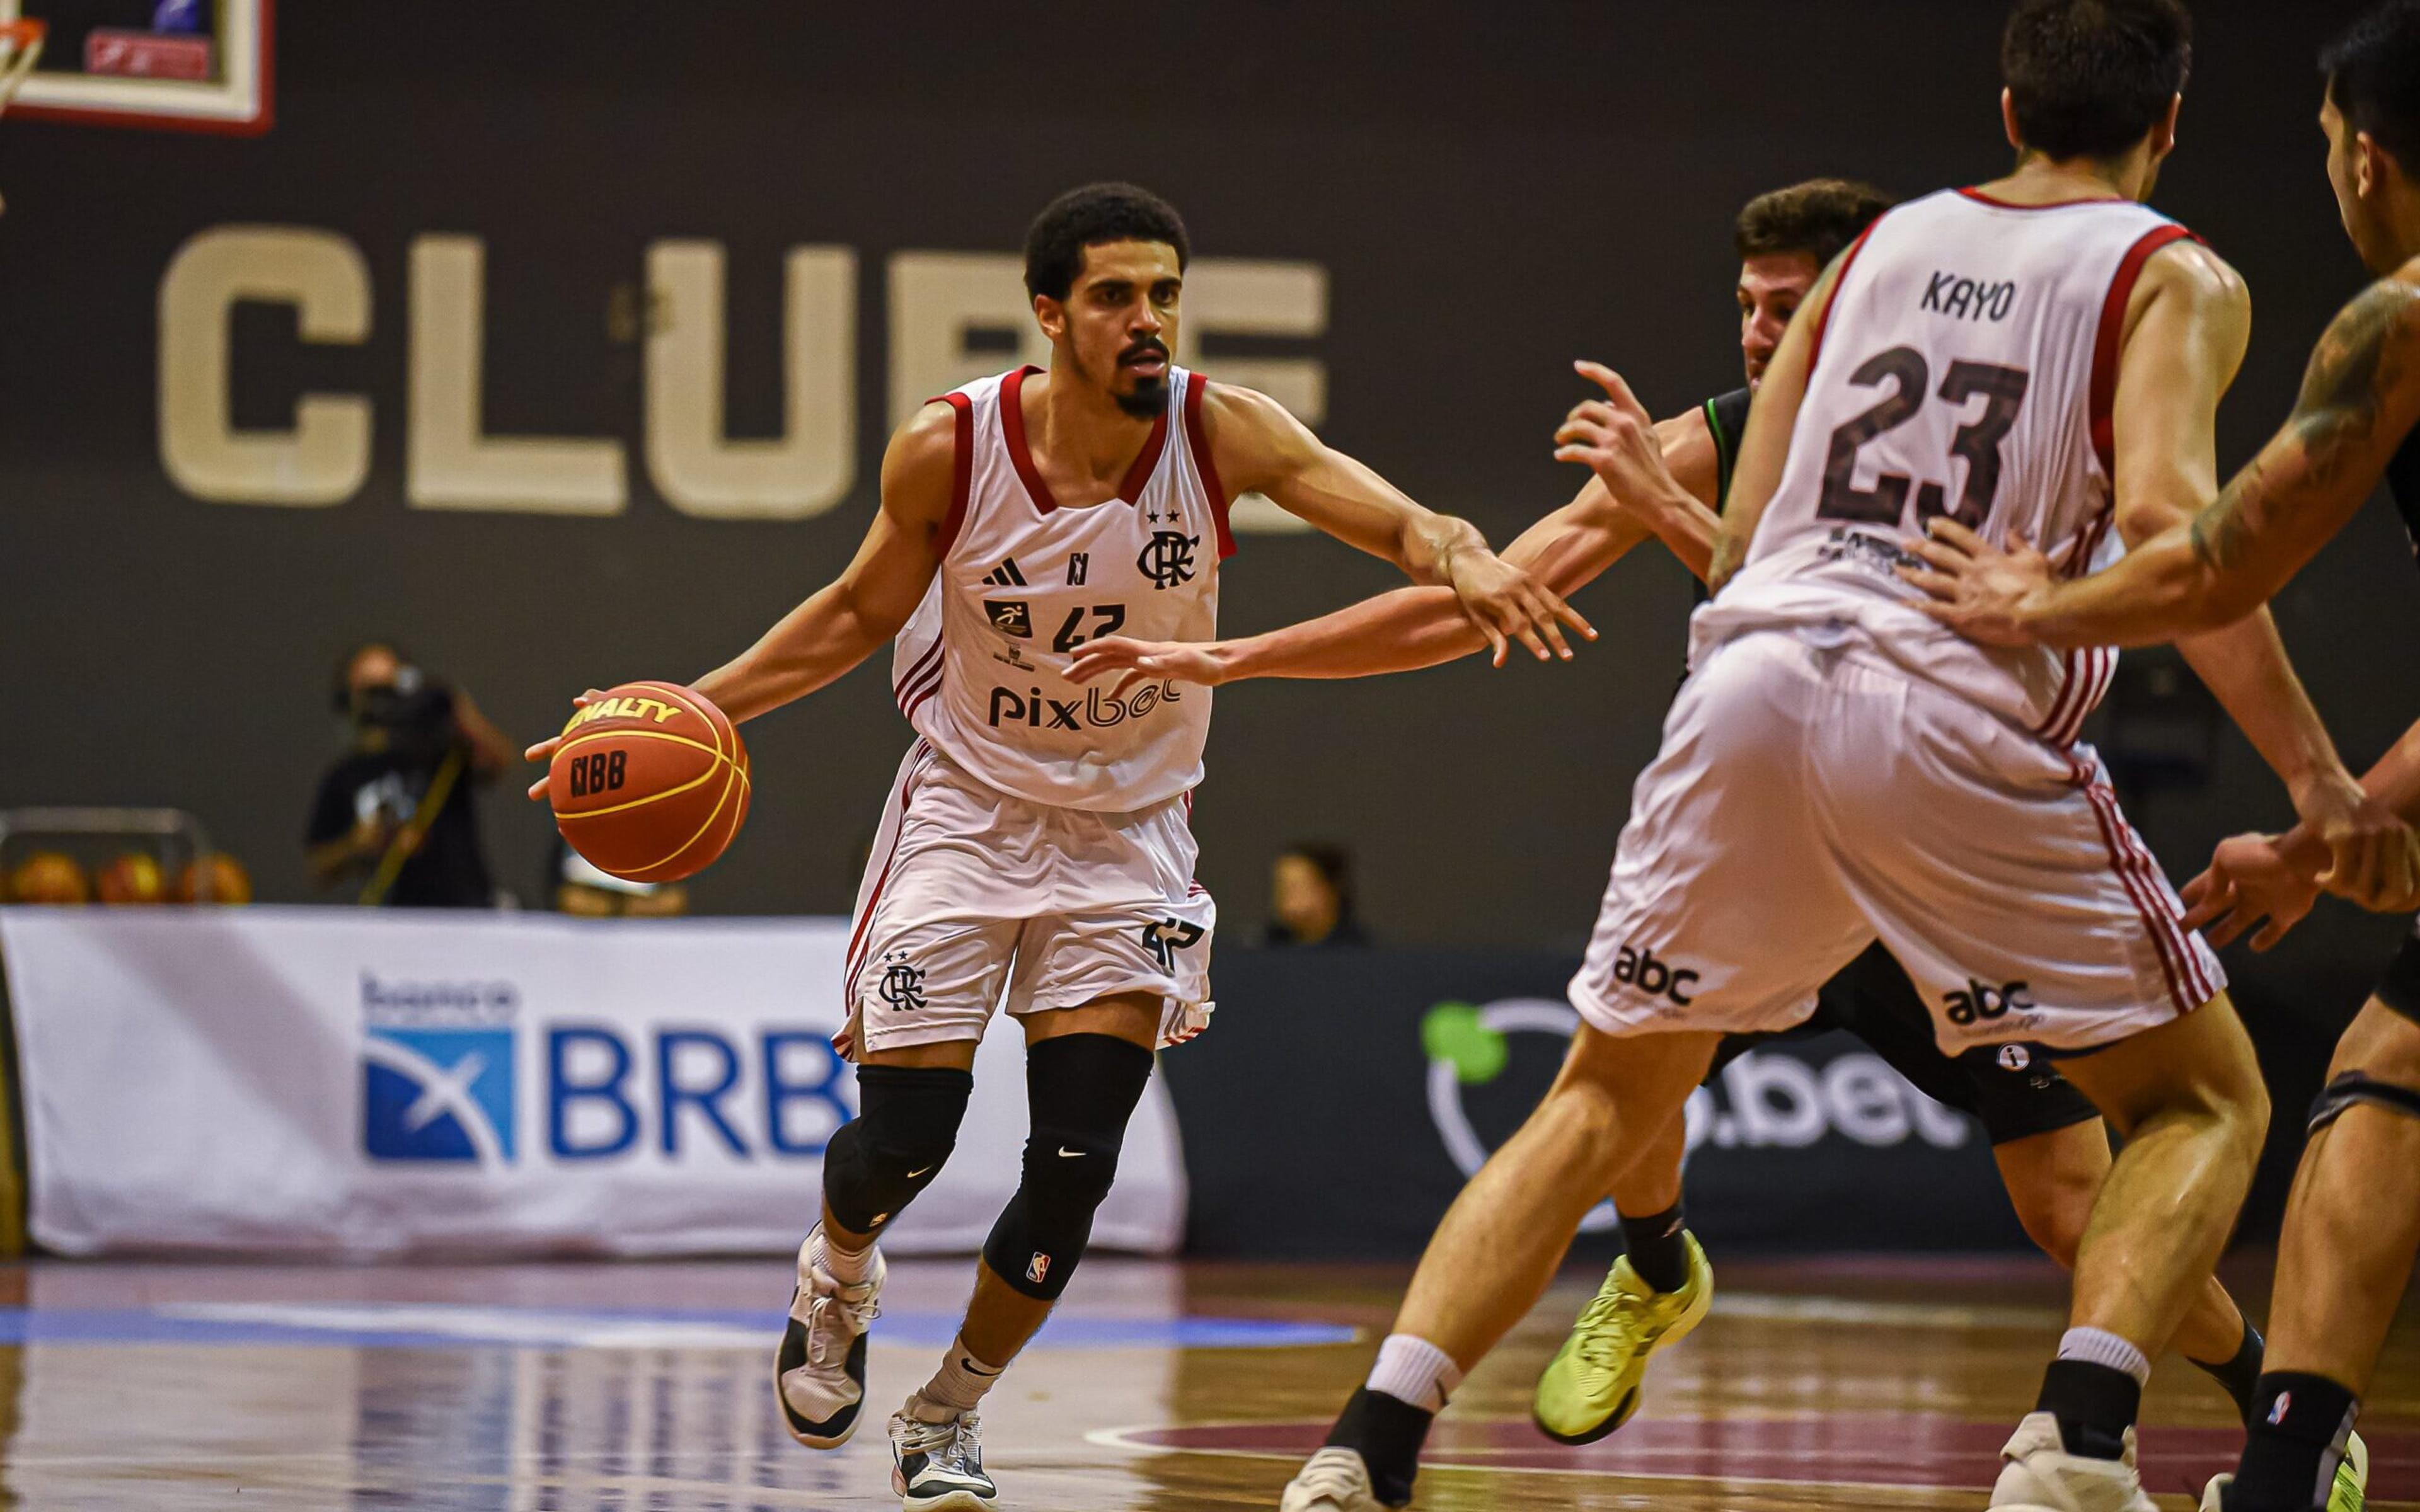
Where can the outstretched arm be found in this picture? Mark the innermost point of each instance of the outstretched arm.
(2360, 398)
(1416, 628)
(1261, 448)
(1396, 632)
(849, 618)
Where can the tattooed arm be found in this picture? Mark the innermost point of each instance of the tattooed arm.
(2359, 397)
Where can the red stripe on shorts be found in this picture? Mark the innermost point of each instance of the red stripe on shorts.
(2113, 824)
(856, 939)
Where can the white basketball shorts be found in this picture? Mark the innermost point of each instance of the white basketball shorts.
(973, 899)
(1809, 798)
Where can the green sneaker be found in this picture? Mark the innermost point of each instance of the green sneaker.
(1591, 1387)
(2352, 1478)
(2349, 1494)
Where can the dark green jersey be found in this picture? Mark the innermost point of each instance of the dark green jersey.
(1727, 421)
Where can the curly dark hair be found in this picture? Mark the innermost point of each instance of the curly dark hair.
(1080, 218)
(1820, 218)
(2089, 78)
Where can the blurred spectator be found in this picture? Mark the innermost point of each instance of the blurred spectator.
(1311, 898)
(584, 891)
(396, 812)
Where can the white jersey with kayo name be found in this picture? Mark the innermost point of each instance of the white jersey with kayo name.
(1968, 366)
(1840, 769)
(980, 669)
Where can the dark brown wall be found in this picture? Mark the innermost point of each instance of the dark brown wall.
(1494, 191)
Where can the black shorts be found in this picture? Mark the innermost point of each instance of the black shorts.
(2400, 988)
(2014, 1091)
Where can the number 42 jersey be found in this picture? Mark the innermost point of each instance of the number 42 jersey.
(1968, 366)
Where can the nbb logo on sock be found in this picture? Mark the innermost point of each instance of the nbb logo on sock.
(443, 1069)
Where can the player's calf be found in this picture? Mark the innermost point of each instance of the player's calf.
(877, 1165)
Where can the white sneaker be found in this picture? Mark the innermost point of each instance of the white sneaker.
(2039, 1475)
(1335, 1480)
(937, 1467)
(819, 1376)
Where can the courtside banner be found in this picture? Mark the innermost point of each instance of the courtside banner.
(361, 1083)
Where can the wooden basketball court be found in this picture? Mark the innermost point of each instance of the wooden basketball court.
(645, 1388)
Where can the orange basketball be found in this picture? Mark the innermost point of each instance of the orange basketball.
(650, 782)
(49, 877)
(230, 882)
(132, 878)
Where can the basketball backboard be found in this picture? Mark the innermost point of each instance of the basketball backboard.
(166, 64)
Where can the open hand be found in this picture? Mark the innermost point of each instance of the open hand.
(1615, 437)
(544, 751)
(2253, 879)
(1144, 661)
(1507, 604)
(1979, 589)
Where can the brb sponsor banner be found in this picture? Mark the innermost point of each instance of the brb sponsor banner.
(1377, 1081)
(369, 1083)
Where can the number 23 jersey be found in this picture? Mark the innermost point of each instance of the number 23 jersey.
(1968, 366)
(981, 668)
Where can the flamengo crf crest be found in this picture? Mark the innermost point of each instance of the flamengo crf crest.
(1168, 561)
(903, 986)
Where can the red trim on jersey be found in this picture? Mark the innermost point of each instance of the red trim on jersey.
(962, 470)
(1012, 428)
(1205, 464)
(1848, 260)
(920, 678)
(2106, 345)
(1981, 198)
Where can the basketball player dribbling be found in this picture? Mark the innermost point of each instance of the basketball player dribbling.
(2353, 1224)
(2049, 1141)
(1036, 848)
(2052, 351)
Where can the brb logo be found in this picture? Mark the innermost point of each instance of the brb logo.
(1638, 967)
(442, 1066)
(438, 1070)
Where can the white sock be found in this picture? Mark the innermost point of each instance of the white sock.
(849, 1267)
(1414, 1370)
(2099, 1347)
(959, 1385)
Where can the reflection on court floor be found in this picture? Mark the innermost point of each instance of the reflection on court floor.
(645, 1388)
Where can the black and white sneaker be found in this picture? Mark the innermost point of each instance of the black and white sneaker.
(937, 1467)
(819, 1376)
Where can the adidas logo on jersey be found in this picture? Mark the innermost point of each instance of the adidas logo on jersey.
(1005, 576)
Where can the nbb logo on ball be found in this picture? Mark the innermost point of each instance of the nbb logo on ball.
(443, 1069)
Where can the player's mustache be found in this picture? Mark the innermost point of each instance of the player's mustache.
(1147, 347)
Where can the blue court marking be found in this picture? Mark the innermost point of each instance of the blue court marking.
(376, 1325)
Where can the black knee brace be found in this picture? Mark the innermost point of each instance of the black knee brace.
(1081, 1089)
(905, 1126)
(2357, 1086)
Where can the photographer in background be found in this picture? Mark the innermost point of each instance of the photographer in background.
(396, 810)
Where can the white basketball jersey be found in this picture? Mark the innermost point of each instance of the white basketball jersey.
(1966, 367)
(980, 670)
